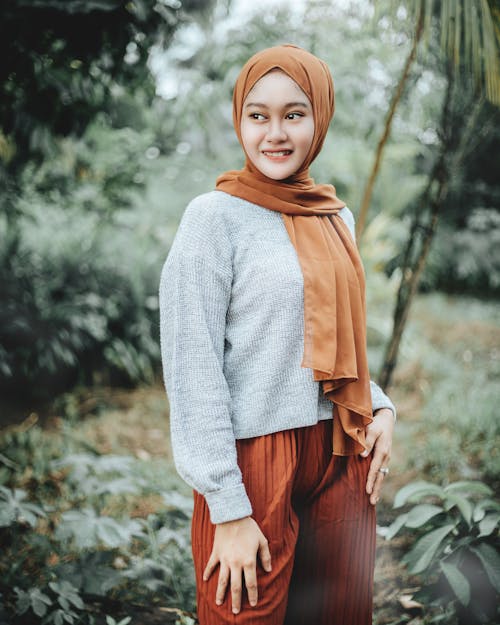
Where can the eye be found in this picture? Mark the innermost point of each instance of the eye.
(294, 115)
(257, 116)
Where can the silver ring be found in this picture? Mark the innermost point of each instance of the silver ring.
(384, 470)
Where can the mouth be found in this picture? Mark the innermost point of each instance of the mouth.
(276, 154)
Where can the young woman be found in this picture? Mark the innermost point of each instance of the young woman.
(274, 420)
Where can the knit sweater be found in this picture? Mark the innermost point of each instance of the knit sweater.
(232, 340)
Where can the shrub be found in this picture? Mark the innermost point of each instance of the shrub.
(61, 550)
(455, 533)
(78, 288)
(467, 260)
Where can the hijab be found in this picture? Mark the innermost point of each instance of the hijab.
(334, 282)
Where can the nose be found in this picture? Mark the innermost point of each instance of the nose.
(276, 131)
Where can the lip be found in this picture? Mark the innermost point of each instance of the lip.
(277, 156)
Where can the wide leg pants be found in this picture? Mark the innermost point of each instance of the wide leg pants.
(314, 511)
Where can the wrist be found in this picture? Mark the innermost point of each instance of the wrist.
(384, 413)
(233, 522)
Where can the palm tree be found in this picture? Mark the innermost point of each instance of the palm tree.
(469, 32)
(470, 36)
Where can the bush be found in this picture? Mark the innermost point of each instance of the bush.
(78, 288)
(454, 550)
(467, 260)
(70, 547)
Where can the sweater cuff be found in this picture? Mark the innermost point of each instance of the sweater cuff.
(380, 400)
(228, 504)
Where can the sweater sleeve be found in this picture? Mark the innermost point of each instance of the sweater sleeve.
(379, 398)
(194, 293)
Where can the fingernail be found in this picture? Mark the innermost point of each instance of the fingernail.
(218, 602)
(253, 603)
(235, 610)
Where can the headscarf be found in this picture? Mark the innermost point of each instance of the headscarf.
(334, 282)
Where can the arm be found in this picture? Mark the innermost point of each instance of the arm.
(194, 294)
(195, 290)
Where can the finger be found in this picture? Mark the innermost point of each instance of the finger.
(379, 456)
(236, 589)
(370, 438)
(222, 584)
(265, 555)
(375, 496)
(250, 573)
(213, 561)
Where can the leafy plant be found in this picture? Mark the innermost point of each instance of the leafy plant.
(124, 621)
(455, 548)
(65, 599)
(14, 508)
(87, 529)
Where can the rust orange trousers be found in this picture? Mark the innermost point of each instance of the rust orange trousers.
(314, 511)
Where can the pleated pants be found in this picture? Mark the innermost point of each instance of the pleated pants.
(313, 509)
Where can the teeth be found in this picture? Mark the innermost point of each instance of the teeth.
(283, 153)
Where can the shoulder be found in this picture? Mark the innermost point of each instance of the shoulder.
(209, 206)
(204, 213)
(203, 229)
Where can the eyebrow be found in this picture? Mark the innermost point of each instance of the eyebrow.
(288, 105)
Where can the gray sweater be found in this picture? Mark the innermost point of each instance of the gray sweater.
(231, 330)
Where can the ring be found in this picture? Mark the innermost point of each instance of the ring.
(384, 470)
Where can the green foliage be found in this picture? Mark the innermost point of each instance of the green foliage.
(33, 599)
(77, 290)
(111, 621)
(89, 530)
(467, 260)
(56, 605)
(77, 539)
(55, 78)
(14, 508)
(455, 545)
(450, 365)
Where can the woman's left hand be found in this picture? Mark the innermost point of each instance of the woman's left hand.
(378, 441)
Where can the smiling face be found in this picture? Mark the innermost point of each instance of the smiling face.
(277, 125)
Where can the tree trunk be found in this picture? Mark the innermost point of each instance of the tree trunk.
(368, 191)
(423, 228)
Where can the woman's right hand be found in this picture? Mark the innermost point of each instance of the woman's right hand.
(235, 549)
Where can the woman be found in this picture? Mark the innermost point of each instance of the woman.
(274, 421)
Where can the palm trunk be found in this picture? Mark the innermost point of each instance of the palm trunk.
(423, 229)
(368, 191)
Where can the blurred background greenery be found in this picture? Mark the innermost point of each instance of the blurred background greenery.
(115, 114)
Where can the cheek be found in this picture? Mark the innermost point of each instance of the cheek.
(307, 135)
(249, 136)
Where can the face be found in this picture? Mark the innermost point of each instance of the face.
(277, 125)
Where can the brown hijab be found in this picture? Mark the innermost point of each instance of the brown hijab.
(334, 283)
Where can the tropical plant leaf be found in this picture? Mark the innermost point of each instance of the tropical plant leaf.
(488, 524)
(484, 505)
(88, 529)
(419, 515)
(490, 561)
(463, 505)
(13, 508)
(396, 525)
(414, 490)
(457, 581)
(471, 487)
(425, 548)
